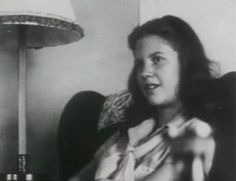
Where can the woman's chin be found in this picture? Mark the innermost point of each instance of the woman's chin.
(162, 102)
(155, 102)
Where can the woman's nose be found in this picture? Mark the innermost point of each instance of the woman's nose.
(147, 70)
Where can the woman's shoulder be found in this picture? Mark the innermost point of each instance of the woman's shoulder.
(114, 109)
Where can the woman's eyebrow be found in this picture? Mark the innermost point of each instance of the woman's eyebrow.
(155, 53)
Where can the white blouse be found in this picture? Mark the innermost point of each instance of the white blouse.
(137, 154)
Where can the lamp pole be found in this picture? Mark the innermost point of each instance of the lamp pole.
(22, 141)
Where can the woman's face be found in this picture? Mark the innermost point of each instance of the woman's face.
(158, 70)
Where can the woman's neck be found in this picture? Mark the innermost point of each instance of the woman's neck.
(166, 113)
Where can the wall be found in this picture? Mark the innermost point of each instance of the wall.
(8, 103)
(100, 61)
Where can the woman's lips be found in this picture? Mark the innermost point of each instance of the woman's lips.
(150, 87)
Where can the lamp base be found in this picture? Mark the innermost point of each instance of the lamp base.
(17, 177)
(22, 172)
(26, 177)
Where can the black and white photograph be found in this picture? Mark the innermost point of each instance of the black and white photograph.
(117, 90)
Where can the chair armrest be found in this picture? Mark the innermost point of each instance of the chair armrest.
(77, 132)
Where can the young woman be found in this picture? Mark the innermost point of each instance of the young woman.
(163, 133)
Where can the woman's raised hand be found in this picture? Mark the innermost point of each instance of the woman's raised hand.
(192, 149)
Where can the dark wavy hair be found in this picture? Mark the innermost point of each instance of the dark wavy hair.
(195, 67)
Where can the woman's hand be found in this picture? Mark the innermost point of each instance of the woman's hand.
(192, 149)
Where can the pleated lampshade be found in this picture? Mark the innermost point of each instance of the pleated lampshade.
(47, 22)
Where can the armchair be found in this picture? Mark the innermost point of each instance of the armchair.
(78, 137)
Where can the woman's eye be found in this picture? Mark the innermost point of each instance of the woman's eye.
(156, 59)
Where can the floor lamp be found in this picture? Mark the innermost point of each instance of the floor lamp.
(38, 23)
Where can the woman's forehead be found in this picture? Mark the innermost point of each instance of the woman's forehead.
(150, 44)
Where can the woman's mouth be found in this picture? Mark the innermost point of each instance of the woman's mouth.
(150, 87)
